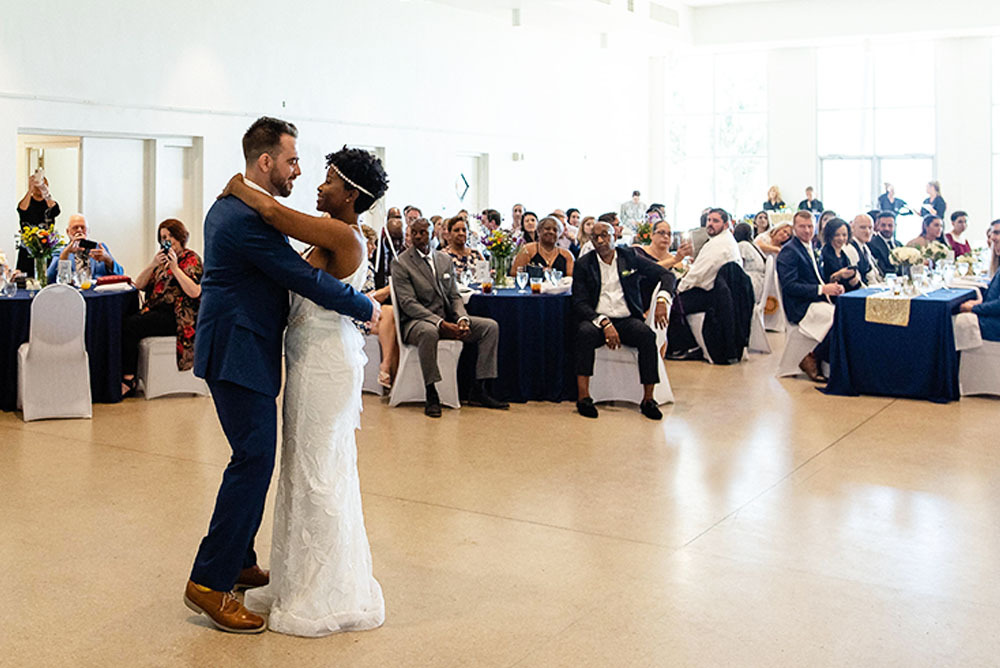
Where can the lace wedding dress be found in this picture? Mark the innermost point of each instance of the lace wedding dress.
(321, 565)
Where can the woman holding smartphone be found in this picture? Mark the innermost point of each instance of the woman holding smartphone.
(171, 285)
(837, 266)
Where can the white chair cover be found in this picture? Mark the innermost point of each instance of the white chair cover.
(967, 332)
(696, 321)
(797, 346)
(53, 378)
(157, 370)
(758, 334)
(979, 370)
(373, 351)
(616, 372)
(773, 322)
(409, 383)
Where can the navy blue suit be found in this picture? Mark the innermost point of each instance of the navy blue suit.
(989, 311)
(800, 287)
(249, 269)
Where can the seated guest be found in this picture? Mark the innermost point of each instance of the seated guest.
(439, 240)
(809, 203)
(429, 309)
(694, 293)
(884, 241)
(464, 257)
(386, 324)
(753, 258)
(930, 231)
(771, 241)
(529, 227)
(987, 308)
(857, 249)
(761, 223)
(802, 287)
(658, 251)
(544, 253)
(606, 302)
(824, 218)
(516, 212)
(586, 232)
(391, 243)
(100, 259)
(611, 218)
(954, 239)
(837, 265)
(774, 201)
(171, 284)
(490, 219)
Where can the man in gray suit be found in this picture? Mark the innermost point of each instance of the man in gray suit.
(430, 309)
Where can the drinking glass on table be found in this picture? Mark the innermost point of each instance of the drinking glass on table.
(536, 285)
(522, 279)
(556, 276)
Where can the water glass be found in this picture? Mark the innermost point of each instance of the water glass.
(522, 279)
(556, 276)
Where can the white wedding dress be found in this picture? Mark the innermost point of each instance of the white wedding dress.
(321, 565)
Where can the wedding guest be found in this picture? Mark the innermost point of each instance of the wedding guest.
(809, 203)
(391, 243)
(930, 231)
(515, 216)
(462, 256)
(884, 241)
(586, 231)
(753, 257)
(529, 227)
(934, 204)
(545, 253)
(824, 218)
(606, 304)
(761, 223)
(774, 201)
(386, 324)
(171, 285)
(836, 263)
(430, 309)
(632, 211)
(771, 241)
(102, 263)
(888, 201)
(490, 220)
(802, 286)
(411, 213)
(573, 217)
(439, 239)
(987, 308)
(36, 209)
(955, 238)
(862, 228)
(658, 251)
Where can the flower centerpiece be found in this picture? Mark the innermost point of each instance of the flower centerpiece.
(643, 234)
(906, 257)
(502, 247)
(965, 264)
(936, 251)
(40, 242)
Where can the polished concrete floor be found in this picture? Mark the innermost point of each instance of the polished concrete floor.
(761, 523)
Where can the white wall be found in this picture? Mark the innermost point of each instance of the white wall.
(423, 80)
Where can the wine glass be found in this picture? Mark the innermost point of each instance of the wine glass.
(522, 279)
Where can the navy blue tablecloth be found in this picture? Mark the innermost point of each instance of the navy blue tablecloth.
(918, 361)
(535, 353)
(103, 338)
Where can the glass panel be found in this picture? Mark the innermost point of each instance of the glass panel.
(741, 185)
(847, 186)
(909, 177)
(904, 74)
(689, 85)
(844, 132)
(740, 135)
(996, 125)
(996, 71)
(902, 131)
(996, 194)
(741, 82)
(843, 78)
(689, 189)
(689, 137)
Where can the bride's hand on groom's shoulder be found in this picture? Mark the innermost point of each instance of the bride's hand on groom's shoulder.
(228, 190)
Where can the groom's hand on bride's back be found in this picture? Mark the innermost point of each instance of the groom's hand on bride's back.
(376, 314)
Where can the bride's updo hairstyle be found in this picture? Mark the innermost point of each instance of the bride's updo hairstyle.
(362, 171)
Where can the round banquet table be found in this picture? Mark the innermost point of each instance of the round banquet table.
(535, 352)
(102, 336)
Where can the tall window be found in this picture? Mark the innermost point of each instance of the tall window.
(716, 130)
(875, 125)
(996, 128)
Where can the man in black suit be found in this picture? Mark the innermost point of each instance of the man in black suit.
(606, 300)
(859, 251)
(884, 241)
(811, 204)
(802, 285)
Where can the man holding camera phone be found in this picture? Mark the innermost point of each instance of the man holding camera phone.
(80, 248)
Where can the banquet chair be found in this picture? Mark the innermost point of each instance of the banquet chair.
(979, 370)
(53, 369)
(616, 372)
(374, 354)
(797, 346)
(157, 370)
(409, 383)
(758, 328)
(774, 321)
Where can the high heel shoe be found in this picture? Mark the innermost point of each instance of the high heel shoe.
(384, 379)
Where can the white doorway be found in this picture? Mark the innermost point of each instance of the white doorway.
(59, 157)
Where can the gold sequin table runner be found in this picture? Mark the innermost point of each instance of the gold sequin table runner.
(888, 309)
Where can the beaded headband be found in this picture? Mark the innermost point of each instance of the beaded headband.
(350, 182)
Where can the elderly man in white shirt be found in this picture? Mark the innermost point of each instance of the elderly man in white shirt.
(693, 290)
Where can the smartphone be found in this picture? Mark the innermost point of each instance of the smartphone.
(87, 244)
(165, 245)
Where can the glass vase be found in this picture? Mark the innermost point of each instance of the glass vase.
(41, 267)
(500, 264)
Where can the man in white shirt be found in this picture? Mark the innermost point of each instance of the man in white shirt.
(694, 291)
(607, 302)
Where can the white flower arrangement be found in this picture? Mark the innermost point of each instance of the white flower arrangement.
(936, 251)
(906, 255)
(3, 258)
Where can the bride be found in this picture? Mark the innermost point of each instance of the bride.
(321, 565)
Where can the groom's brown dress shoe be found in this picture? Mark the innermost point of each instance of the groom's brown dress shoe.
(223, 609)
(255, 576)
(810, 365)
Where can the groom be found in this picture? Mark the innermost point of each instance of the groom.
(249, 269)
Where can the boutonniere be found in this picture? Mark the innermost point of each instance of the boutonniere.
(446, 276)
(627, 273)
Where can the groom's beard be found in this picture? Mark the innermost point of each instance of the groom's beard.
(282, 185)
